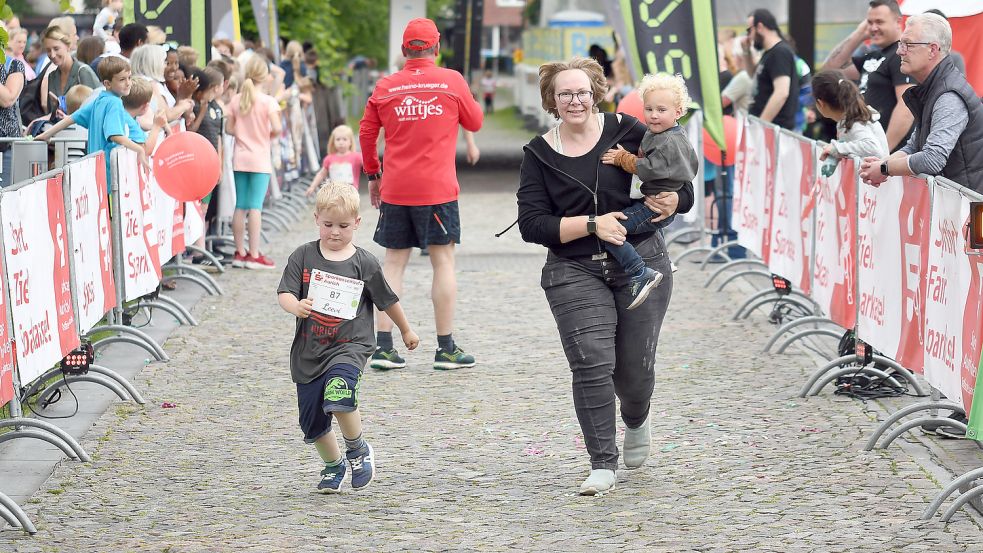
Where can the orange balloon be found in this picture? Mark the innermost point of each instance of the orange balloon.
(632, 105)
(186, 166)
(710, 149)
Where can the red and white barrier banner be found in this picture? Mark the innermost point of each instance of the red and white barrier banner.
(194, 221)
(790, 230)
(6, 351)
(953, 301)
(833, 280)
(168, 221)
(36, 258)
(752, 200)
(95, 288)
(893, 227)
(141, 262)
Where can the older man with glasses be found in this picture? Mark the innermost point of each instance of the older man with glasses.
(947, 138)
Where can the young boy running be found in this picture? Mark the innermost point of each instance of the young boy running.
(330, 285)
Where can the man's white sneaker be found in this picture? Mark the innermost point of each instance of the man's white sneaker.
(599, 481)
(638, 443)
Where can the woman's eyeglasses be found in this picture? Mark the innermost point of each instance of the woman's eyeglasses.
(583, 96)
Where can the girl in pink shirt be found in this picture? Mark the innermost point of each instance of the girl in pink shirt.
(253, 118)
(343, 163)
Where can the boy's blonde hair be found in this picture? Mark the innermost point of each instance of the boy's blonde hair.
(340, 130)
(76, 96)
(665, 81)
(337, 195)
(141, 92)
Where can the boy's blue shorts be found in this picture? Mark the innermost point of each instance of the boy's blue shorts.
(335, 391)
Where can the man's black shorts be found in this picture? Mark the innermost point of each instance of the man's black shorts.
(415, 226)
(335, 391)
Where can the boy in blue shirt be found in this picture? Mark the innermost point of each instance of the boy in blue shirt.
(136, 104)
(105, 117)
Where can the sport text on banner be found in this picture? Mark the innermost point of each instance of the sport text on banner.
(953, 301)
(833, 285)
(140, 263)
(752, 203)
(791, 231)
(893, 227)
(36, 259)
(95, 288)
(6, 351)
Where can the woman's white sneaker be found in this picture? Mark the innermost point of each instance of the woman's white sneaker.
(638, 443)
(599, 481)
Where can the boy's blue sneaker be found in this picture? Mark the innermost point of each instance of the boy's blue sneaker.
(386, 359)
(362, 461)
(445, 360)
(332, 478)
(640, 285)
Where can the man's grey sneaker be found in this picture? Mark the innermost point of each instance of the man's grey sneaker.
(448, 360)
(599, 481)
(640, 286)
(386, 360)
(362, 461)
(638, 443)
(332, 478)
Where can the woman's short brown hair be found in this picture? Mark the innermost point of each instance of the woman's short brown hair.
(549, 71)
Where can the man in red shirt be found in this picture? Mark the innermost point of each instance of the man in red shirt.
(420, 107)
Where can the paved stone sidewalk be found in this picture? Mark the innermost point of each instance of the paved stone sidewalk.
(489, 458)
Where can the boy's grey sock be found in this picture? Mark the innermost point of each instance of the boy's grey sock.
(354, 444)
(445, 343)
(384, 340)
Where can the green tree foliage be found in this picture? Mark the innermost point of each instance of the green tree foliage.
(338, 29)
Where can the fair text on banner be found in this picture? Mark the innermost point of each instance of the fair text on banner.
(953, 301)
(95, 288)
(141, 262)
(833, 281)
(791, 230)
(36, 260)
(892, 232)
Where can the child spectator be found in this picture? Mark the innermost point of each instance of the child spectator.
(208, 123)
(343, 163)
(668, 162)
(136, 103)
(188, 57)
(76, 96)
(105, 117)
(253, 118)
(106, 19)
(488, 84)
(328, 352)
(858, 132)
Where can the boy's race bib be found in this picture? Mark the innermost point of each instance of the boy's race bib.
(335, 295)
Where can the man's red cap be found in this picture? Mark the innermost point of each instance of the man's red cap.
(421, 29)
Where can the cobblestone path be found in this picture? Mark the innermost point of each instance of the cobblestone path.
(489, 458)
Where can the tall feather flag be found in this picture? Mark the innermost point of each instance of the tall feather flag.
(679, 37)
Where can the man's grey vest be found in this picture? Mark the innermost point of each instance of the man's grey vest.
(965, 163)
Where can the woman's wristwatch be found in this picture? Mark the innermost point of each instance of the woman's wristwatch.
(591, 225)
(375, 176)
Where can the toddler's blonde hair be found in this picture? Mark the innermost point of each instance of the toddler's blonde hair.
(339, 131)
(337, 195)
(665, 81)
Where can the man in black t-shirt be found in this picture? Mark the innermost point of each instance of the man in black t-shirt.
(776, 86)
(879, 70)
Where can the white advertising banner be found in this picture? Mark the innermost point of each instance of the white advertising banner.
(194, 222)
(791, 229)
(752, 202)
(835, 206)
(36, 259)
(141, 262)
(92, 253)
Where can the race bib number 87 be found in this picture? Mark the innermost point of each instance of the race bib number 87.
(335, 295)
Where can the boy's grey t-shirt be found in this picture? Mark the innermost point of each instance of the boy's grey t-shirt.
(320, 340)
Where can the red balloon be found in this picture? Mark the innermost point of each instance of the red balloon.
(632, 105)
(710, 149)
(186, 166)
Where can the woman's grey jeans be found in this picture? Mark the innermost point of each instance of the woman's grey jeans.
(611, 350)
